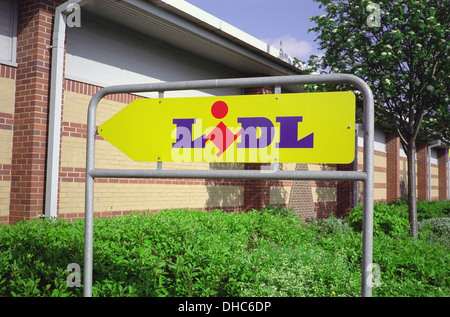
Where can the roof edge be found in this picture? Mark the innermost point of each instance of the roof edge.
(214, 24)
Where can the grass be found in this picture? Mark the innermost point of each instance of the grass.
(259, 253)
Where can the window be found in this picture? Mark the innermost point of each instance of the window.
(8, 31)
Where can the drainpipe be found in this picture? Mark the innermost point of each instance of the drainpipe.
(437, 143)
(55, 102)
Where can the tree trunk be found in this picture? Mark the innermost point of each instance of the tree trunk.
(412, 196)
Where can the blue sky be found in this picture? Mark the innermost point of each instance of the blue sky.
(271, 21)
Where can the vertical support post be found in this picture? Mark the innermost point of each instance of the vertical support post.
(89, 198)
(355, 168)
(159, 164)
(367, 247)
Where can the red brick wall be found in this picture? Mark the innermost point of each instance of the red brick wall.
(392, 167)
(345, 192)
(30, 110)
(442, 173)
(422, 172)
(256, 192)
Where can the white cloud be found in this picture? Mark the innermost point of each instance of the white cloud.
(291, 46)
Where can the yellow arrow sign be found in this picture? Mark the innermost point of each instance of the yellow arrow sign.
(297, 128)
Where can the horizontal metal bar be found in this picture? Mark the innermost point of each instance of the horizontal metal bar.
(276, 81)
(231, 174)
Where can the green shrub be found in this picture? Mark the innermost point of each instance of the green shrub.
(411, 269)
(304, 270)
(200, 253)
(436, 230)
(34, 256)
(331, 225)
(279, 210)
(391, 219)
(432, 209)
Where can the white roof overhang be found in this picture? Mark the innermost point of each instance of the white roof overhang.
(189, 28)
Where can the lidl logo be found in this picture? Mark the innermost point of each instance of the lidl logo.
(222, 136)
(300, 128)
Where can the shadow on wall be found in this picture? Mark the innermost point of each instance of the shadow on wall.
(226, 194)
(278, 193)
(230, 194)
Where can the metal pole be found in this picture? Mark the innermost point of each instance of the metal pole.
(277, 81)
(367, 247)
(89, 197)
(231, 174)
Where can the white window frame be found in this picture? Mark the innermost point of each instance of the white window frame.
(11, 61)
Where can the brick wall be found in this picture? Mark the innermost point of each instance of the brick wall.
(7, 95)
(120, 196)
(422, 172)
(256, 192)
(393, 167)
(324, 193)
(24, 101)
(301, 198)
(30, 109)
(344, 192)
(442, 174)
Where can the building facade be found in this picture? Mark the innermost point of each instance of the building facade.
(55, 55)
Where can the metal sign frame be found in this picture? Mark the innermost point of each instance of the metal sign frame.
(366, 176)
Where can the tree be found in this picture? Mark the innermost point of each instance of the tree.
(400, 48)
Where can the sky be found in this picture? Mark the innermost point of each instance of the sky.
(271, 21)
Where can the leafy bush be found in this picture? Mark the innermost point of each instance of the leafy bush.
(331, 225)
(432, 209)
(34, 255)
(391, 219)
(411, 268)
(199, 253)
(436, 230)
(279, 210)
(302, 271)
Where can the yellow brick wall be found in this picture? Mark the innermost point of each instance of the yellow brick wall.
(5, 189)
(6, 146)
(131, 197)
(434, 182)
(380, 165)
(404, 177)
(5, 159)
(380, 193)
(123, 197)
(141, 196)
(281, 194)
(7, 97)
(323, 194)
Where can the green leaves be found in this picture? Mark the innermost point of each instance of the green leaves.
(404, 58)
(388, 219)
(201, 253)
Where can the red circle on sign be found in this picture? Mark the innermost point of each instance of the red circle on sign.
(219, 109)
